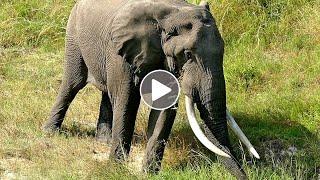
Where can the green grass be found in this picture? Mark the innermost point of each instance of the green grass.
(272, 69)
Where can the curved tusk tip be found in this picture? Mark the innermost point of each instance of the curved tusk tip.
(224, 154)
(254, 153)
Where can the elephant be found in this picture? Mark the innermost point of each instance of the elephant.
(114, 44)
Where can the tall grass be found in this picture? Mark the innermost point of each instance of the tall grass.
(272, 65)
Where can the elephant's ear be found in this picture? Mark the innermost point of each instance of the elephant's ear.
(136, 34)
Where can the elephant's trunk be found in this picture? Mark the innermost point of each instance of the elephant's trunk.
(211, 103)
(212, 106)
(197, 130)
(210, 99)
(210, 96)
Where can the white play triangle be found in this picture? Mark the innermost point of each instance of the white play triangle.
(159, 90)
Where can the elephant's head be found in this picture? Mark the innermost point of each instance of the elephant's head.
(185, 40)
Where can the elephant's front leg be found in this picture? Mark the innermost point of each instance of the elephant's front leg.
(125, 102)
(159, 128)
(104, 125)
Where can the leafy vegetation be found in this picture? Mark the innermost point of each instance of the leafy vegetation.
(272, 68)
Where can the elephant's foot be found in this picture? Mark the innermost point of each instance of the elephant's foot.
(152, 159)
(103, 135)
(51, 127)
(152, 167)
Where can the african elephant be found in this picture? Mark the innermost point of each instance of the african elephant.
(113, 44)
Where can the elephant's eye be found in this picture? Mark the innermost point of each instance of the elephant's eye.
(206, 21)
(173, 32)
(188, 26)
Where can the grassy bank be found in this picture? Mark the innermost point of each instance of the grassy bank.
(272, 69)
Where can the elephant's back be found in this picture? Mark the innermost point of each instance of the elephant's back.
(89, 19)
(89, 27)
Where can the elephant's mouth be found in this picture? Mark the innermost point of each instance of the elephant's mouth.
(206, 142)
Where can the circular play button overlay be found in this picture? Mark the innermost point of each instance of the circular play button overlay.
(160, 90)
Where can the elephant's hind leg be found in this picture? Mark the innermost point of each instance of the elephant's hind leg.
(75, 78)
(104, 125)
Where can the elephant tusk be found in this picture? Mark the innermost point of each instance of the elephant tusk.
(236, 129)
(203, 3)
(197, 130)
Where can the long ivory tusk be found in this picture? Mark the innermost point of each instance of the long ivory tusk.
(203, 3)
(236, 129)
(197, 130)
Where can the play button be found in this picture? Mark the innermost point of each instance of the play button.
(160, 90)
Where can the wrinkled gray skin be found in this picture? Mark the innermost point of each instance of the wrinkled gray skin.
(113, 44)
